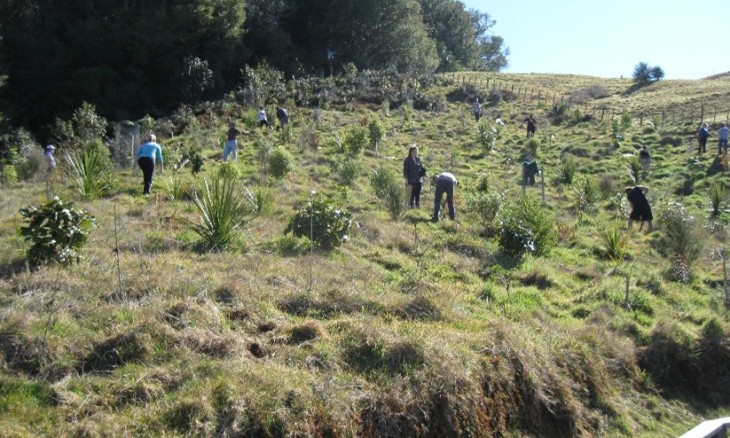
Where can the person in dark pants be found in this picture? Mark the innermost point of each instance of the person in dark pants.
(445, 183)
(640, 208)
(531, 126)
(413, 172)
(147, 155)
(702, 134)
(283, 117)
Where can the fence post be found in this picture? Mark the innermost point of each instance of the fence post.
(663, 114)
(641, 119)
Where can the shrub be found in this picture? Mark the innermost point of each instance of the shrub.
(30, 164)
(376, 133)
(486, 206)
(532, 145)
(356, 140)
(681, 240)
(229, 170)
(558, 113)
(381, 179)
(90, 170)
(56, 231)
(348, 170)
(526, 227)
(486, 136)
(221, 211)
(324, 224)
(280, 162)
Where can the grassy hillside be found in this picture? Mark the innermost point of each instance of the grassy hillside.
(410, 328)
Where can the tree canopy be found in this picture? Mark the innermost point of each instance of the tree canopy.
(135, 57)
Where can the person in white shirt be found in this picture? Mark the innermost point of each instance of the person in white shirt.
(445, 183)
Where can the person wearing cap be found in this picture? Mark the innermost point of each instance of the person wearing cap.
(232, 143)
(445, 183)
(263, 120)
(413, 172)
(640, 208)
(147, 156)
(48, 153)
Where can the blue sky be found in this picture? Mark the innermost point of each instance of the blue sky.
(687, 39)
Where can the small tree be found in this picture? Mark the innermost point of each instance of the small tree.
(644, 74)
(56, 231)
(319, 220)
(377, 133)
(280, 162)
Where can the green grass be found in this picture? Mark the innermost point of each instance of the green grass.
(409, 326)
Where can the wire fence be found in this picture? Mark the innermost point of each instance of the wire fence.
(689, 113)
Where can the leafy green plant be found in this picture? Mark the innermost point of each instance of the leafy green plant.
(175, 187)
(326, 225)
(221, 211)
(717, 196)
(567, 170)
(90, 170)
(195, 159)
(486, 206)
(486, 136)
(56, 231)
(626, 120)
(586, 195)
(347, 169)
(229, 170)
(526, 227)
(613, 241)
(380, 179)
(356, 140)
(532, 146)
(280, 162)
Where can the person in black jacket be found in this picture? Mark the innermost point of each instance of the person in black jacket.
(413, 173)
(640, 209)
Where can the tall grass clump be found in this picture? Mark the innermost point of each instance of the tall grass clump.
(526, 227)
(221, 210)
(681, 240)
(716, 195)
(567, 170)
(586, 195)
(613, 241)
(90, 170)
(261, 201)
(635, 170)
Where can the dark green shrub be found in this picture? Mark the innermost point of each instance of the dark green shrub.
(280, 162)
(390, 189)
(324, 224)
(486, 136)
(376, 132)
(526, 227)
(356, 140)
(56, 231)
(486, 206)
(567, 170)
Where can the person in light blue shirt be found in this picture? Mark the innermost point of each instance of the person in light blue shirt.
(148, 155)
(722, 143)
